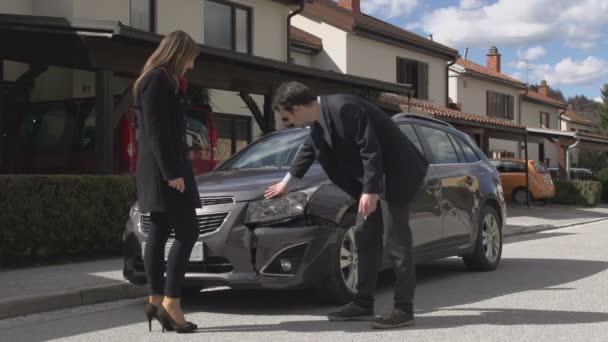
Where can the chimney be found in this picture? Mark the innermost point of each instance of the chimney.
(543, 88)
(494, 59)
(352, 5)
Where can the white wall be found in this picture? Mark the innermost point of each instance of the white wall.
(228, 102)
(116, 10)
(567, 125)
(454, 84)
(302, 58)
(23, 7)
(55, 8)
(472, 93)
(334, 54)
(188, 17)
(372, 59)
(531, 114)
(269, 28)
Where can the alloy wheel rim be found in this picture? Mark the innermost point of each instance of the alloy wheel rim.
(490, 237)
(349, 260)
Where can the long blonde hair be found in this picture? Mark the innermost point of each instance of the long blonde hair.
(172, 54)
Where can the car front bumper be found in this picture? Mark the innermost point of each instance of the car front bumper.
(242, 258)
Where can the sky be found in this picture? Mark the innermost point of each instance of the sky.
(564, 42)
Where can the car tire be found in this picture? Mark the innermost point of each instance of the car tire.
(519, 196)
(488, 244)
(343, 259)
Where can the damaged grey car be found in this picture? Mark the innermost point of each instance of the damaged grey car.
(306, 240)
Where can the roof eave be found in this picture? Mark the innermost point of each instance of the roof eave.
(494, 79)
(541, 101)
(450, 54)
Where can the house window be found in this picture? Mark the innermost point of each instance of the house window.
(544, 120)
(228, 26)
(415, 73)
(143, 14)
(500, 105)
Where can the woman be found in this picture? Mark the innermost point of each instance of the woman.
(165, 182)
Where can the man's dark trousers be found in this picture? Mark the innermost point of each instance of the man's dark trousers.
(388, 225)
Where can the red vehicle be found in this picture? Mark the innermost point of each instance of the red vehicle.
(58, 137)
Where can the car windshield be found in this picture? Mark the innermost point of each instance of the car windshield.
(277, 150)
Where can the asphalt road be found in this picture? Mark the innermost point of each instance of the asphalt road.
(551, 286)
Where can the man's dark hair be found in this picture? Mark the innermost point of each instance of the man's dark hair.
(291, 94)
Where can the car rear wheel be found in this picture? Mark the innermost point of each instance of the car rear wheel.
(340, 285)
(519, 196)
(488, 245)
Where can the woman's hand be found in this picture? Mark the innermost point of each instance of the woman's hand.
(178, 184)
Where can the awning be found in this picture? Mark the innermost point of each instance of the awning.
(110, 45)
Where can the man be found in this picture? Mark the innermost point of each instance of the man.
(365, 154)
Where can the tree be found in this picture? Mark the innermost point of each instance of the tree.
(604, 109)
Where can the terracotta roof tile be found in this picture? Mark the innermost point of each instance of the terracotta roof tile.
(302, 36)
(446, 112)
(574, 116)
(480, 69)
(349, 20)
(536, 95)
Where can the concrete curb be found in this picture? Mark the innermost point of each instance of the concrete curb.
(540, 228)
(68, 299)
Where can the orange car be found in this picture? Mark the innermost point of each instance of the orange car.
(513, 176)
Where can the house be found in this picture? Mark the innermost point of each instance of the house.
(539, 110)
(358, 44)
(93, 49)
(572, 121)
(485, 90)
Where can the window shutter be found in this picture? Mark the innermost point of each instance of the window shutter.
(400, 71)
(423, 81)
(490, 104)
(510, 107)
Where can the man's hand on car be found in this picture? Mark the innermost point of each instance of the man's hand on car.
(276, 190)
(368, 204)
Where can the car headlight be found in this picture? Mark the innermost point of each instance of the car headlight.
(291, 206)
(134, 212)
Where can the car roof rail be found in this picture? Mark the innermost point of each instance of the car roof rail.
(421, 117)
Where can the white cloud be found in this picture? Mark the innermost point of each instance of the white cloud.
(532, 53)
(515, 22)
(571, 72)
(598, 99)
(469, 4)
(388, 8)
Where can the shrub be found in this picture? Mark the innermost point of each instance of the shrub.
(602, 177)
(46, 219)
(585, 193)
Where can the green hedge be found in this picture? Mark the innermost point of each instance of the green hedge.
(602, 177)
(585, 193)
(47, 219)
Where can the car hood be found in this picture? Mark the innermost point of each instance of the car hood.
(250, 184)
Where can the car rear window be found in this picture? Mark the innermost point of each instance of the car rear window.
(441, 147)
(540, 168)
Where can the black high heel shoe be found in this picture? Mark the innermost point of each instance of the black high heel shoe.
(170, 324)
(151, 311)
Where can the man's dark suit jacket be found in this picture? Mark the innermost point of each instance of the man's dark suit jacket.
(362, 150)
(162, 154)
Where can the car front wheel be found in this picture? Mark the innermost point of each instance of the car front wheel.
(341, 283)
